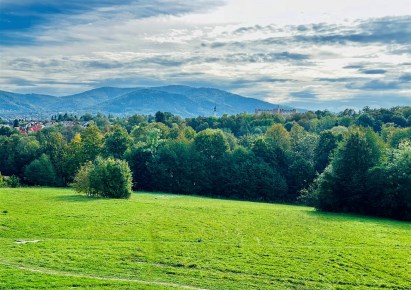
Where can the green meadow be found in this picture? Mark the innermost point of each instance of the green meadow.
(56, 238)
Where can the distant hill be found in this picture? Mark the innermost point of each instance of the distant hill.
(180, 100)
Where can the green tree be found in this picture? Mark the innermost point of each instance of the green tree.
(211, 146)
(211, 143)
(116, 142)
(7, 131)
(41, 172)
(92, 142)
(247, 177)
(160, 117)
(344, 185)
(55, 146)
(139, 159)
(174, 168)
(73, 158)
(17, 151)
(326, 145)
(277, 136)
(389, 185)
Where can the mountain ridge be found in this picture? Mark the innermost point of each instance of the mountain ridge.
(185, 101)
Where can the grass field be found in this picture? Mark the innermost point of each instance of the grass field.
(159, 241)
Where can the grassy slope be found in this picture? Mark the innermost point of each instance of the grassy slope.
(215, 244)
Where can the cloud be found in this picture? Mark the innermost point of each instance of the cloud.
(259, 57)
(373, 71)
(304, 95)
(405, 77)
(384, 30)
(354, 66)
(339, 80)
(375, 85)
(19, 18)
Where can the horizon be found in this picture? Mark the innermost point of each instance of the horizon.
(316, 55)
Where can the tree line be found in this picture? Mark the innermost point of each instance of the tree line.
(357, 162)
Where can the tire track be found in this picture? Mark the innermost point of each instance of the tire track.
(103, 278)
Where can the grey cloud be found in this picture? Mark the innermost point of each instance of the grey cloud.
(43, 16)
(52, 64)
(242, 30)
(393, 30)
(373, 71)
(248, 82)
(260, 57)
(375, 85)
(354, 66)
(304, 95)
(382, 30)
(98, 64)
(167, 61)
(339, 80)
(403, 50)
(245, 44)
(20, 82)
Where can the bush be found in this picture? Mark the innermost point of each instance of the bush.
(9, 181)
(13, 181)
(2, 181)
(104, 177)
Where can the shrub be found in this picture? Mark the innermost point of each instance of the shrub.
(9, 181)
(13, 181)
(82, 180)
(2, 181)
(104, 177)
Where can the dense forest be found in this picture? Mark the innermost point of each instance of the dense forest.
(358, 162)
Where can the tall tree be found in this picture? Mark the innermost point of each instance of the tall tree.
(91, 143)
(344, 184)
(116, 142)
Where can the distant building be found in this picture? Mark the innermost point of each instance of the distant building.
(277, 111)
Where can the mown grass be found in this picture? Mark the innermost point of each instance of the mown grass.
(159, 241)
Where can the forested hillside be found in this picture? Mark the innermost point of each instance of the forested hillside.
(347, 162)
(180, 100)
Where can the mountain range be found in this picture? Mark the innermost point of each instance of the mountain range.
(180, 100)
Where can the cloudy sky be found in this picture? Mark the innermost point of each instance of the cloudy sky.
(316, 54)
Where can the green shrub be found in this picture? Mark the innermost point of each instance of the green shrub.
(9, 181)
(2, 181)
(104, 177)
(13, 181)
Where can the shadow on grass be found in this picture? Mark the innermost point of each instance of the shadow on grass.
(77, 198)
(323, 215)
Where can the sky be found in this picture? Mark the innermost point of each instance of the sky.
(316, 54)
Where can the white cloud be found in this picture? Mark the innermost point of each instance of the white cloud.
(248, 47)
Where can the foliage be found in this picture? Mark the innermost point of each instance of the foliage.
(9, 181)
(7, 131)
(104, 177)
(212, 144)
(13, 181)
(343, 186)
(272, 158)
(116, 142)
(41, 172)
(389, 184)
(92, 141)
